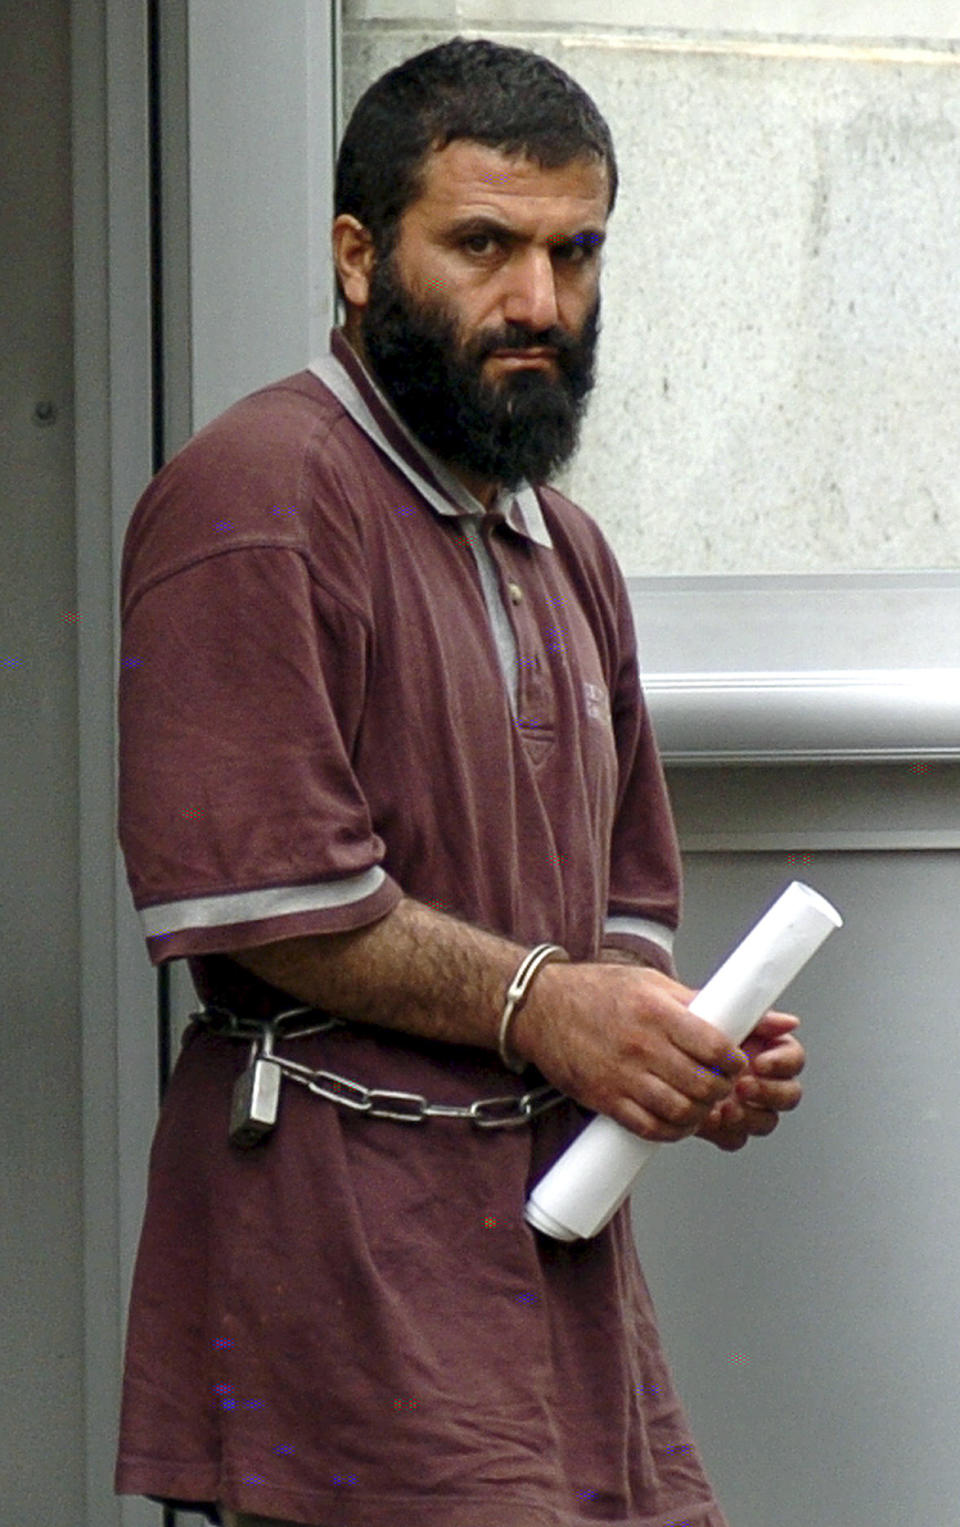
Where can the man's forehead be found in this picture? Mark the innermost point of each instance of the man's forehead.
(465, 172)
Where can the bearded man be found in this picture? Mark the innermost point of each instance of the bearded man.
(388, 782)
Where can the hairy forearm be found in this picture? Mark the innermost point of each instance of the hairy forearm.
(416, 969)
(613, 1034)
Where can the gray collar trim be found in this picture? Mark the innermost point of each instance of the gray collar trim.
(520, 510)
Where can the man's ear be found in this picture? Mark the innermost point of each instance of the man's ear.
(354, 256)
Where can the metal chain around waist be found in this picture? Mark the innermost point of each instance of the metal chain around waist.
(506, 1111)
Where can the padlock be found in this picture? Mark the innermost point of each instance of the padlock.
(256, 1096)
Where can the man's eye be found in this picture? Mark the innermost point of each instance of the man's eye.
(576, 251)
(478, 243)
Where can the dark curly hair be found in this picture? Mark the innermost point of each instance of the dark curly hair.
(505, 98)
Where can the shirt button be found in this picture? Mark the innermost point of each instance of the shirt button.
(515, 592)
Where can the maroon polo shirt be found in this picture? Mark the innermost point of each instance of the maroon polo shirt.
(314, 715)
(342, 681)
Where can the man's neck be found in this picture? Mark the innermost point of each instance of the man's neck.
(485, 492)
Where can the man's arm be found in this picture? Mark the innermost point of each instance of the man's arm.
(616, 1037)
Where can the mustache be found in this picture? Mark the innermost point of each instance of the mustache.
(519, 336)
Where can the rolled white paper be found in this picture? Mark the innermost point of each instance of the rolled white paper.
(584, 1189)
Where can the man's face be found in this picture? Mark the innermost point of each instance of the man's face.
(481, 326)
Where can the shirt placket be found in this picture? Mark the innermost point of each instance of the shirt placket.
(531, 623)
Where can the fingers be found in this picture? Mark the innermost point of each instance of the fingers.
(780, 1097)
(686, 1067)
(659, 1113)
(731, 1124)
(772, 1082)
(784, 1056)
(726, 1126)
(649, 1125)
(773, 1024)
(706, 1047)
(652, 1108)
(767, 1090)
(678, 1074)
(702, 1043)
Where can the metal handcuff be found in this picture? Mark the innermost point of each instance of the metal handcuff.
(256, 1094)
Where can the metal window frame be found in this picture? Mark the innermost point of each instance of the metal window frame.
(822, 668)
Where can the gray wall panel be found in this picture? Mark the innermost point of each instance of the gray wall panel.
(809, 1287)
(41, 1332)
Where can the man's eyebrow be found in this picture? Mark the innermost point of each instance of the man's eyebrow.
(590, 237)
(481, 222)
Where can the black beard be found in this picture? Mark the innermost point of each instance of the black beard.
(521, 429)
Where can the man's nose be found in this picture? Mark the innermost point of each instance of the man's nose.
(532, 295)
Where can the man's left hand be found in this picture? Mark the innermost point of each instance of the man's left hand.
(768, 1088)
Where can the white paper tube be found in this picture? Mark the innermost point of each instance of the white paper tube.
(583, 1189)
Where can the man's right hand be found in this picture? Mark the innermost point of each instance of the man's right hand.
(621, 1040)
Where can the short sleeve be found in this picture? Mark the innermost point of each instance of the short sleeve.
(645, 879)
(240, 816)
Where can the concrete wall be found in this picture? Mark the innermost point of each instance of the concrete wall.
(778, 372)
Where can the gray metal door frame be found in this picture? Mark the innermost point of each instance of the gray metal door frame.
(143, 346)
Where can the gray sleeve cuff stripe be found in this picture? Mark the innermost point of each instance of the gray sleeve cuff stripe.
(642, 927)
(258, 906)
